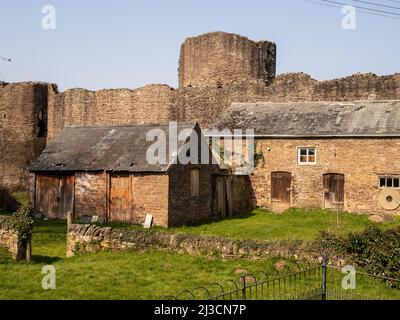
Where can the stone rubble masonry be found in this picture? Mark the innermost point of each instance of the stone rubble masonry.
(85, 238)
(9, 239)
(360, 160)
(23, 122)
(219, 58)
(249, 79)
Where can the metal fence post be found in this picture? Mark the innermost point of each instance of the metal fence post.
(324, 276)
(243, 282)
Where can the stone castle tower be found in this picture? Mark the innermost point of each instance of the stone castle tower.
(215, 70)
(219, 58)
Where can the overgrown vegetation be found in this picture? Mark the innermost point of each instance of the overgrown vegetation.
(23, 223)
(376, 250)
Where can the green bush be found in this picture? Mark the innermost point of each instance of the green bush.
(375, 250)
(23, 223)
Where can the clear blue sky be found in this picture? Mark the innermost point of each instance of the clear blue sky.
(121, 43)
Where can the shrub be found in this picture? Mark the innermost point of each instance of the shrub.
(376, 250)
(23, 223)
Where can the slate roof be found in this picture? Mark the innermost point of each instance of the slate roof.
(99, 148)
(315, 119)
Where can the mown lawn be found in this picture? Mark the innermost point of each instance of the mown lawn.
(293, 224)
(154, 274)
(107, 275)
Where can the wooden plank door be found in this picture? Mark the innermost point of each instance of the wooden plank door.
(281, 183)
(221, 196)
(229, 200)
(333, 191)
(55, 195)
(67, 191)
(121, 198)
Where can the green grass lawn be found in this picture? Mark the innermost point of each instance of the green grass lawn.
(293, 224)
(111, 275)
(154, 274)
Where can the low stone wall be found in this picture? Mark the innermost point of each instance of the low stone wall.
(9, 239)
(83, 239)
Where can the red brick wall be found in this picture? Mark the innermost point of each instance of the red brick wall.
(90, 194)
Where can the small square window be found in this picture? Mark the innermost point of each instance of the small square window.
(396, 182)
(389, 182)
(382, 182)
(307, 155)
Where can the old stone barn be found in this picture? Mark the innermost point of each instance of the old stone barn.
(336, 155)
(104, 171)
(333, 152)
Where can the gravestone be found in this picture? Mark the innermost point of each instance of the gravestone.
(148, 223)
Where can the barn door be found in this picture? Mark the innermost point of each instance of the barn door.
(66, 194)
(55, 195)
(333, 191)
(121, 198)
(280, 190)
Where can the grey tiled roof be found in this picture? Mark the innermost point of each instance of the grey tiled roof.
(98, 148)
(308, 119)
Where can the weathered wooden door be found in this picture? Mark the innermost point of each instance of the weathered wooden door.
(221, 196)
(281, 190)
(229, 196)
(55, 195)
(334, 191)
(121, 198)
(66, 194)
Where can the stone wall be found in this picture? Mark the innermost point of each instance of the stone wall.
(219, 58)
(183, 208)
(148, 105)
(23, 126)
(9, 239)
(221, 69)
(361, 161)
(83, 239)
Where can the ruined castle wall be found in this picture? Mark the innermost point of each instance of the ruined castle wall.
(23, 123)
(150, 104)
(207, 103)
(222, 58)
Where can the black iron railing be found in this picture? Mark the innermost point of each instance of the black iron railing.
(313, 282)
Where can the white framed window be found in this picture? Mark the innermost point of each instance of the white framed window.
(389, 182)
(307, 155)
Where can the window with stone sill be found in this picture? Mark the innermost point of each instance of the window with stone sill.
(307, 155)
(389, 182)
